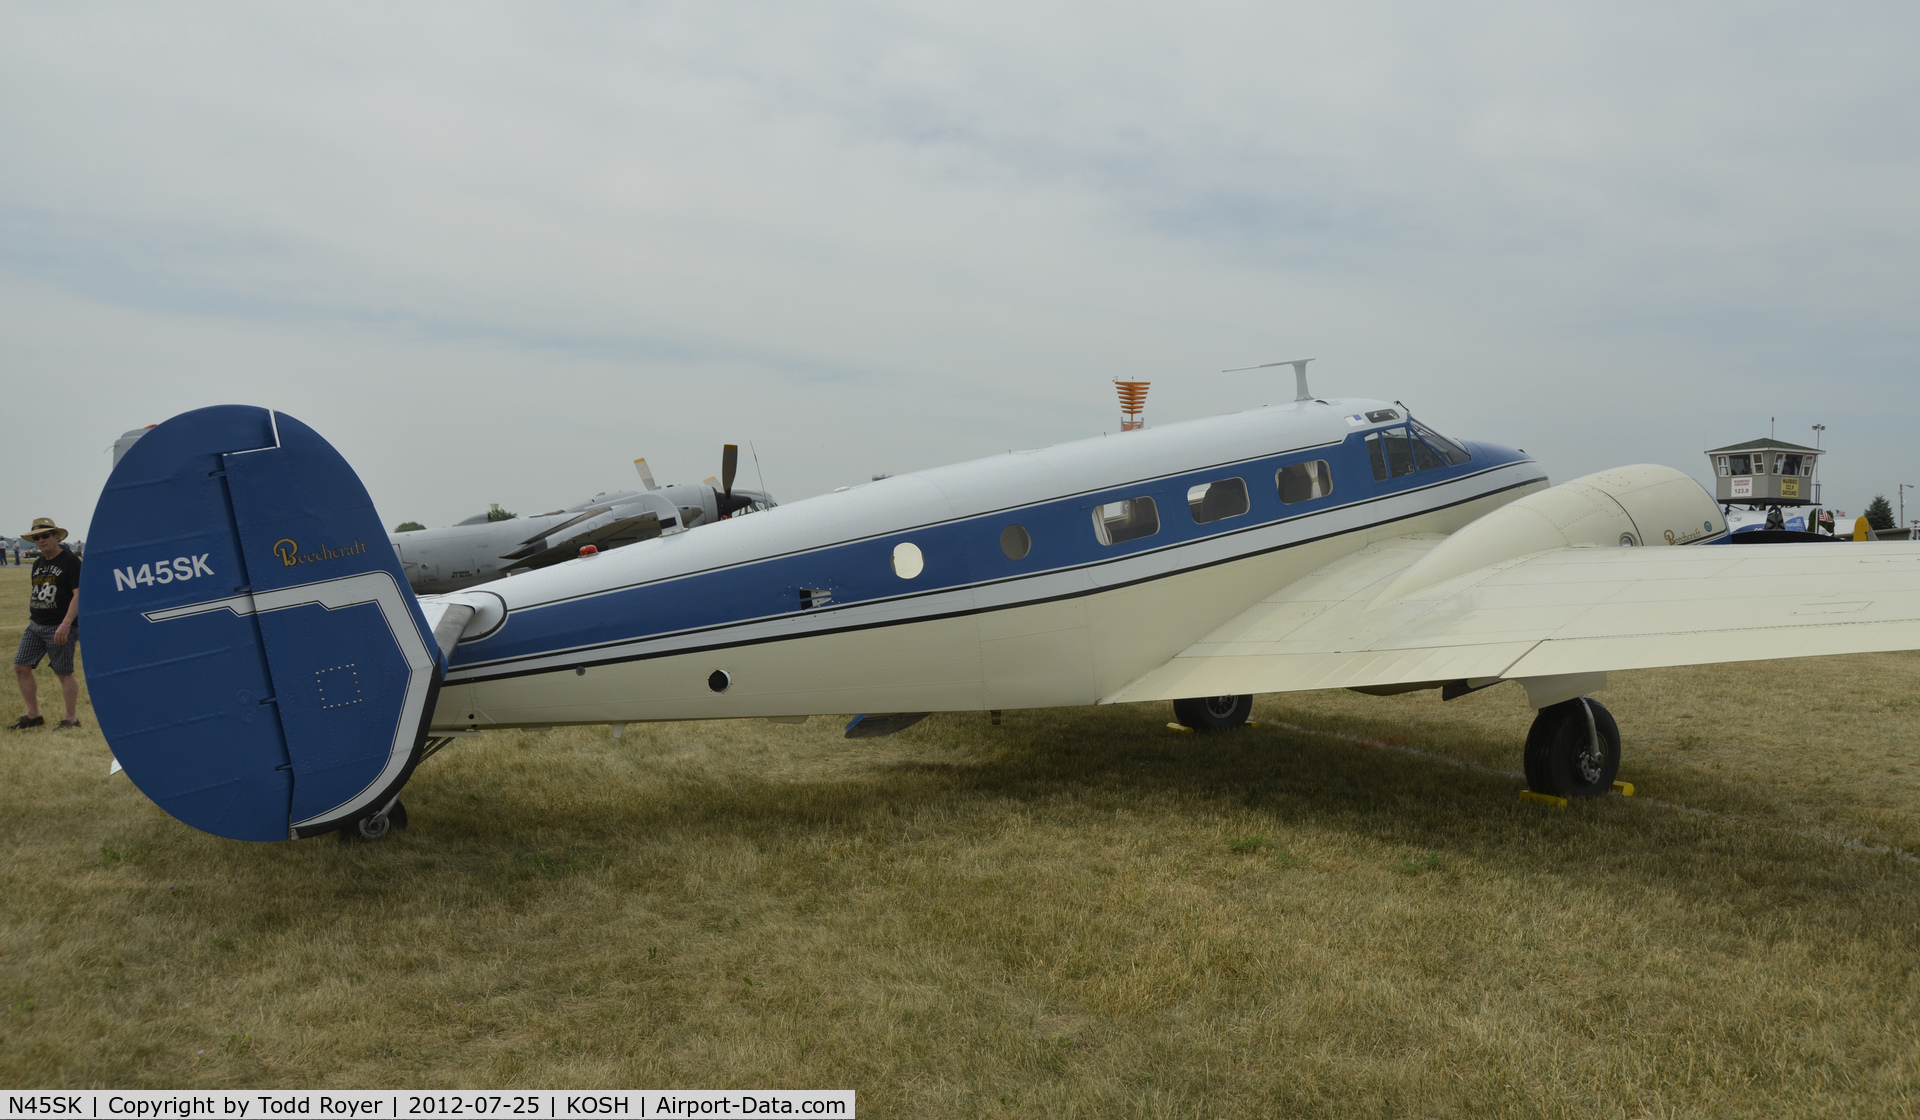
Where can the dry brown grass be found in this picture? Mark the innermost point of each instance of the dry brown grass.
(1078, 913)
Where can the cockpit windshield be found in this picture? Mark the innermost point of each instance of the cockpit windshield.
(1400, 451)
(1447, 449)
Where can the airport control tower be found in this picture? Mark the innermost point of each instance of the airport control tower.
(1765, 472)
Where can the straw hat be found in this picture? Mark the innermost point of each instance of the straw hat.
(43, 525)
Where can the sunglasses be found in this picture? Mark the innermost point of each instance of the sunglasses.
(41, 536)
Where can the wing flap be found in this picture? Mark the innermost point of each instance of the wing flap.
(1561, 611)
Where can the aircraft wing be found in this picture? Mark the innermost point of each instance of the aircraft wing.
(1557, 613)
(608, 531)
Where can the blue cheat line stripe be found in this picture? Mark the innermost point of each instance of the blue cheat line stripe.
(959, 556)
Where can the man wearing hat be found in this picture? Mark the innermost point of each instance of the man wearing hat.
(51, 632)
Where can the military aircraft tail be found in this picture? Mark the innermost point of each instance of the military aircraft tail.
(255, 657)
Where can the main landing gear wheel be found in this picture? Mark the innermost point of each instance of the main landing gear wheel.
(1213, 713)
(376, 827)
(1573, 749)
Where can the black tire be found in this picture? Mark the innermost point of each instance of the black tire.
(372, 828)
(1534, 756)
(1561, 758)
(1213, 713)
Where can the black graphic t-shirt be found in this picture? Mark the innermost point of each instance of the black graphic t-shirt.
(54, 582)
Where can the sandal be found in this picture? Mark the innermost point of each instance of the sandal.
(67, 725)
(25, 722)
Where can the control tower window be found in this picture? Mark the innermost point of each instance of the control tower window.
(1792, 466)
(1740, 465)
(1722, 464)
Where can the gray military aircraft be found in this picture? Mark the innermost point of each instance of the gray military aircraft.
(478, 549)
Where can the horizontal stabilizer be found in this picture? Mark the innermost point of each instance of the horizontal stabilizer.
(255, 657)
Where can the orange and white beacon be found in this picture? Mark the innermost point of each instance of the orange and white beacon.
(1133, 401)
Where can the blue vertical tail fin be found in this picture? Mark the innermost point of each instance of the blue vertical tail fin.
(255, 657)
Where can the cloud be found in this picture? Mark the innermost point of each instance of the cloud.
(496, 252)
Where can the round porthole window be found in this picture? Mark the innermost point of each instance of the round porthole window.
(1015, 542)
(720, 681)
(907, 561)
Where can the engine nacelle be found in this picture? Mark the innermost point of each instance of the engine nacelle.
(1631, 506)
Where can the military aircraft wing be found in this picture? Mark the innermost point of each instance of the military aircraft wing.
(621, 526)
(1365, 621)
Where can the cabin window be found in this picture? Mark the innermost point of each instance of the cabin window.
(1216, 501)
(1778, 461)
(1447, 449)
(1016, 542)
(1793, 465)
(1740, 465)
(1723, 466)
(907, 560)
(1301, 482)
(1119, 522)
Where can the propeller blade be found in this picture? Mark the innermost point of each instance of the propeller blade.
(646, 476)
(729, 459)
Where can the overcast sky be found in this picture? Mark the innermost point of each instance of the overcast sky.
(495, 253)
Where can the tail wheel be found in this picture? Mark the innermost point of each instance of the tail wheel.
(1213, 713)
(1573, 749)
(377, 826)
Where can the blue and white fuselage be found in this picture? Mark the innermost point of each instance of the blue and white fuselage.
(262, 670)
(984, 585)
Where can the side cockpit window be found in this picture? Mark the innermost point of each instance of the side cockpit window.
(1129, 520)
(1388, 452)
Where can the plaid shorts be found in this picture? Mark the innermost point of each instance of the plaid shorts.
(38, 642)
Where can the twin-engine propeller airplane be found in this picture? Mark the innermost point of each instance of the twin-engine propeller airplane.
(479, 549)
(262, 671)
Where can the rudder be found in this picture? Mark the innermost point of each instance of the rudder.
(279, 679)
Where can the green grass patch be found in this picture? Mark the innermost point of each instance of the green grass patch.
(1076, 913)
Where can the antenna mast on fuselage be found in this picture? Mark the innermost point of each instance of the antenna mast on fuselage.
(1299, 365)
